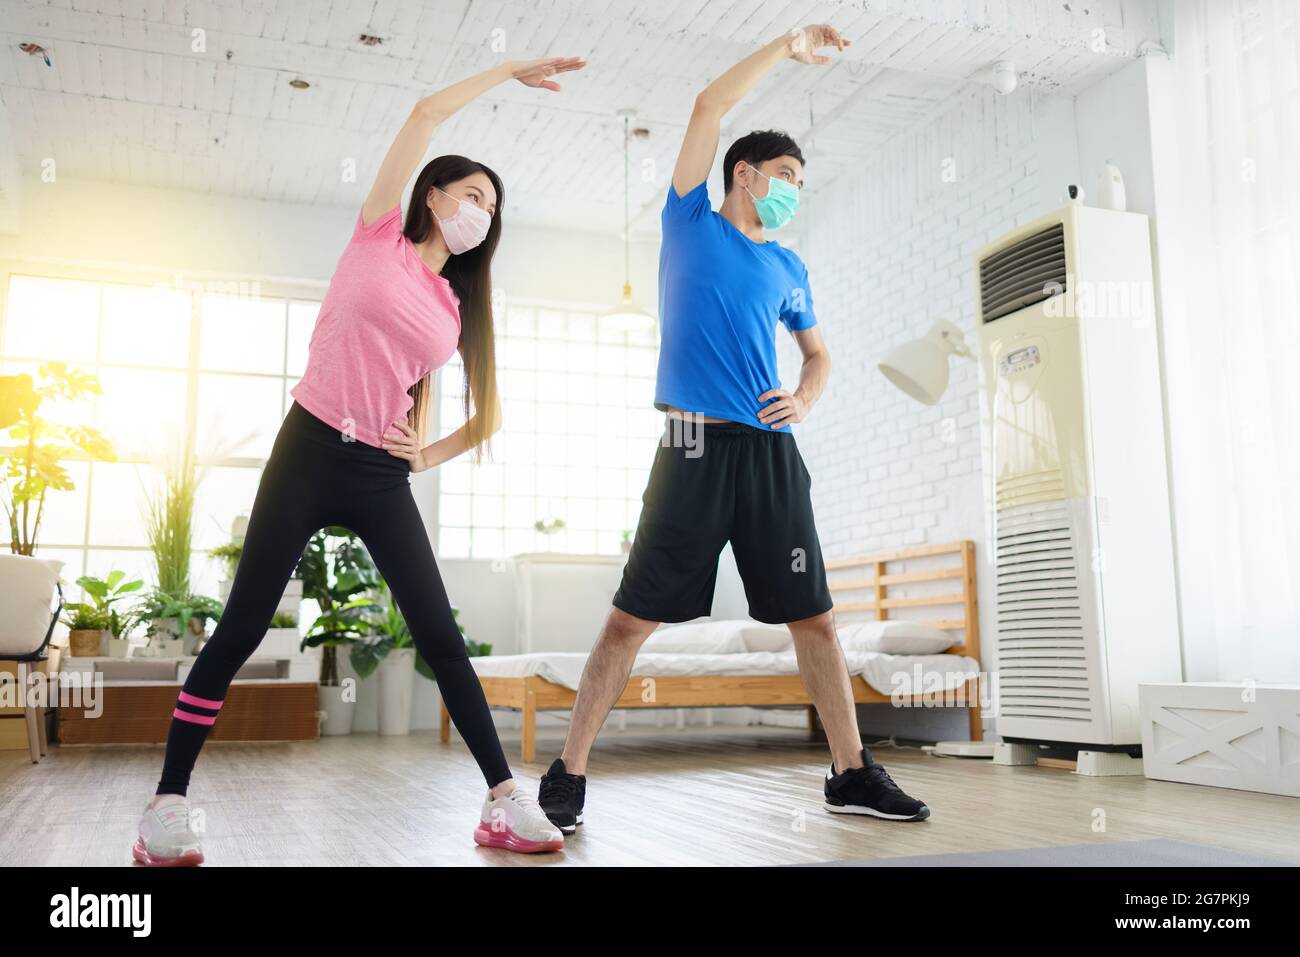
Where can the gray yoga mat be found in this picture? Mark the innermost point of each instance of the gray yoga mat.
(1153, 853)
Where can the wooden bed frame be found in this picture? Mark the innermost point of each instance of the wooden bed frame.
(532, 694)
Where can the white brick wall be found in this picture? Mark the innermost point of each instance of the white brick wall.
(889, 248)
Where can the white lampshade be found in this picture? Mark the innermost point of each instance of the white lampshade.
(920, 367)
(627, 315)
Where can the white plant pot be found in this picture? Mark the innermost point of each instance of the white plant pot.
(396, 683)
(337, 710)
(279, 642)
(162, 648)
(166, 641)
(119, 648)
(164, 629)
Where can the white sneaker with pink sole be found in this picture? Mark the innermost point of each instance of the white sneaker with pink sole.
(517, 822)
(166, 839)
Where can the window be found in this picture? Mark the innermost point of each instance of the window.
(213, 361)
(578, 435)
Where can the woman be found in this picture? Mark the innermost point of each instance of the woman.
(400, 301)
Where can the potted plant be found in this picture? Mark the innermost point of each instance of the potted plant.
(627, 540)
(336, 572)
(342, 626)
(548, 526)
(32, 465)
(175, 623)
(391, 651)
(228, 554)
(87, 630)
(282, 636)
(104, 594)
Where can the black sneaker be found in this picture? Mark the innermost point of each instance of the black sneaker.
(870, 790)
(561, 795)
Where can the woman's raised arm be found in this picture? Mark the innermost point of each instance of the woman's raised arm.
(413, 138)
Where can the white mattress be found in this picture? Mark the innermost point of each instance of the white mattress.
(937, 672)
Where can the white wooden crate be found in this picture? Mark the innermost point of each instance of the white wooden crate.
(1223, 734)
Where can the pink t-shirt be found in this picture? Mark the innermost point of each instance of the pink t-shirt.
(387, 321)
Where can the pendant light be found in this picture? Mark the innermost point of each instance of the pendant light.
(627, 315)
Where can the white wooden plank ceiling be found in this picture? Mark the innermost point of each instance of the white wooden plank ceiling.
(131, 97)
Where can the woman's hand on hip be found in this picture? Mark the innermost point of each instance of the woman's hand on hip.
(400, 440)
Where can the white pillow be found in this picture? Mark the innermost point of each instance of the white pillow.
(701, 637)
(771, 638)
(26, 601)
(895, 637)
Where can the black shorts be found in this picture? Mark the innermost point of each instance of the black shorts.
(714, 483)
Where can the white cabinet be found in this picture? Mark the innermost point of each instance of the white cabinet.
(561, 601)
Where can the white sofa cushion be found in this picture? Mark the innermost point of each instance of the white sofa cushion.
(26, 601)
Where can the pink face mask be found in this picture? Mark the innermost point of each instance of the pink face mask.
(467, 228)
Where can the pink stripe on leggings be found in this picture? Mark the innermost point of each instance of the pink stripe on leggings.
(195, 718)
(187, 698)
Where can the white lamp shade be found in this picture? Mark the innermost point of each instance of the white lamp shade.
(919, 368)
(627, 315)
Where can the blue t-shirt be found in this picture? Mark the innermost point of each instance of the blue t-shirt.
(720, 297)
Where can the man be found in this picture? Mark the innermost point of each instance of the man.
(727, 468)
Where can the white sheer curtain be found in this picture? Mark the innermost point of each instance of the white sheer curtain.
(1232, 337)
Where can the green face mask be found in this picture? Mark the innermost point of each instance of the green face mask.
(778, 206)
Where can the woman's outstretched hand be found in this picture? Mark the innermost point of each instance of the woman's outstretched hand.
(400, 440)
(806, 41)
(535, 72)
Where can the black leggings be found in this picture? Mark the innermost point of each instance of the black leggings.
(314, 479)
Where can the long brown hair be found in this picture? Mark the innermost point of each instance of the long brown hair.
(470, 275)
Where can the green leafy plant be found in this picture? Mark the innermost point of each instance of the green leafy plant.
(284, 619)
(32, 465)
(83, 617)
(389, 632)
(337, 572)
(230, 553)
(158, 605)
(392, 632)
(104, 594)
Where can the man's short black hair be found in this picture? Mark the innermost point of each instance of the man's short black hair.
(757, 147)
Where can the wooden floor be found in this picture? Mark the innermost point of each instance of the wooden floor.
(696, 797)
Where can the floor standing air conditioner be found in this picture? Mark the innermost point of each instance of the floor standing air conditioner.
(1073, 435)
